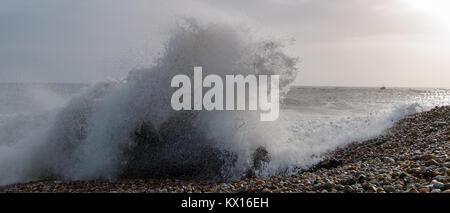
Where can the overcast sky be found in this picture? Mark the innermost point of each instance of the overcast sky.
(340, 43)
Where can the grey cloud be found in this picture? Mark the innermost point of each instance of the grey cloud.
(339, 42)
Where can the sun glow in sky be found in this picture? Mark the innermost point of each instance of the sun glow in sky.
(436, 12)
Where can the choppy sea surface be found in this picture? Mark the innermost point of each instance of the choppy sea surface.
(309, 102)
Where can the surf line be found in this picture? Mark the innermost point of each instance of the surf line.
(213, 99)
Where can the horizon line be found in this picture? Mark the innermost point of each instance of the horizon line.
(294, 85)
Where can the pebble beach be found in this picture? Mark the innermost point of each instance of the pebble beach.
(411, 157)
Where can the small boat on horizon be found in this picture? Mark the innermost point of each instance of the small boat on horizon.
(383, 87)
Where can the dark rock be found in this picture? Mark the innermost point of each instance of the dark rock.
(327, 164)
(388, 188)
(447, 186)
(349, 181)
(260, 158)
(349, 189)
(361, 178)
(327, 186)
(176, 150)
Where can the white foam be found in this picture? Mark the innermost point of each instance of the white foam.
(86, 138)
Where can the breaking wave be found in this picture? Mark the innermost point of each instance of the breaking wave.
(127, 128)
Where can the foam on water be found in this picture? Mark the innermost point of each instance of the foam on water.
(98, 133)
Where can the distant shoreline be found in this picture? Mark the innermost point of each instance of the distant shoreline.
(413, 156)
